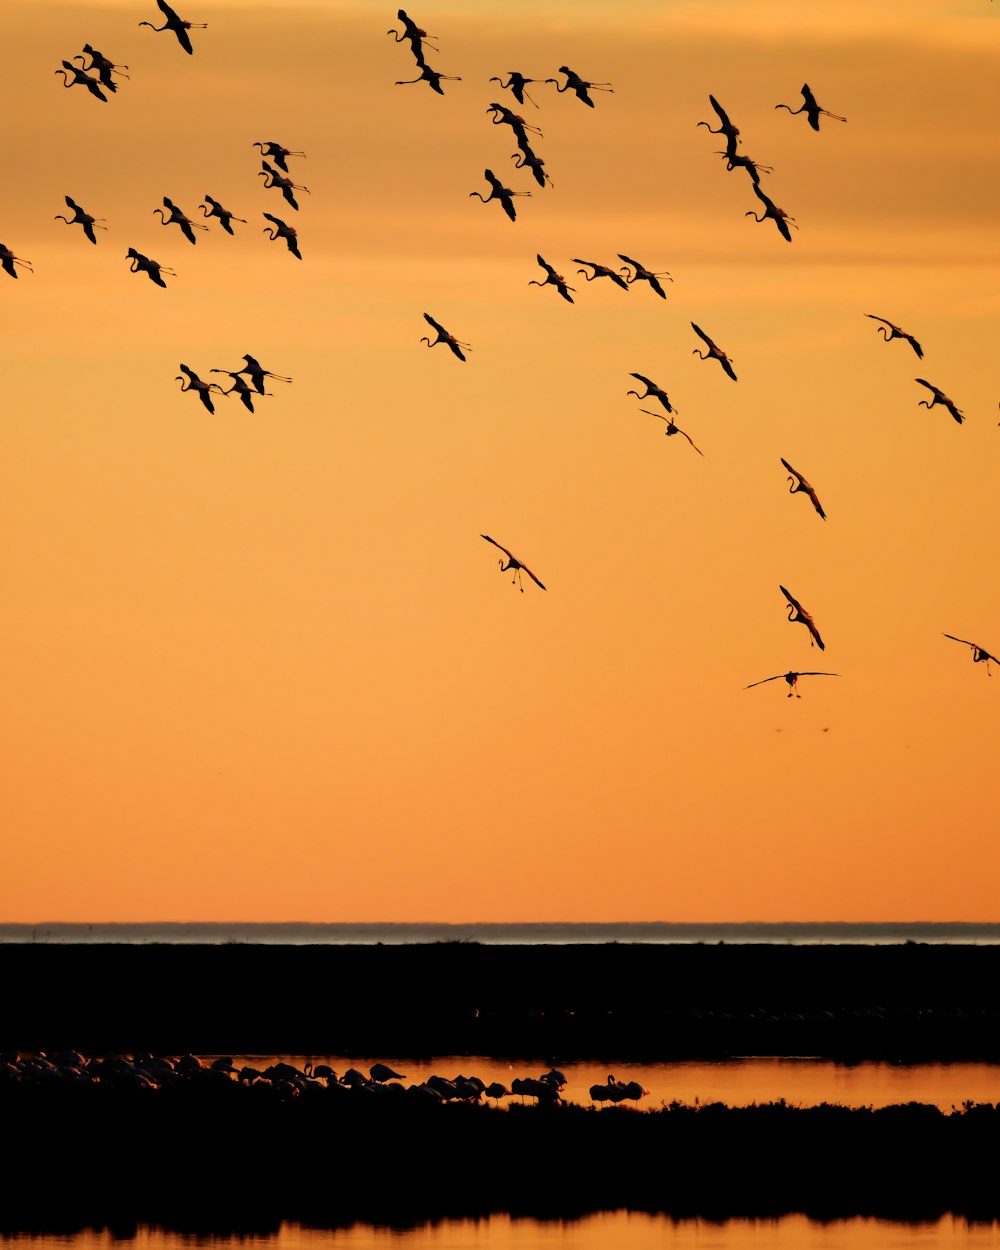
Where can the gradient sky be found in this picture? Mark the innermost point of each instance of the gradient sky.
(263, 667)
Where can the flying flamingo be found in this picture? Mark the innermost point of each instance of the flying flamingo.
(600, 271)
(241, 388)
(642, 274)
(791, 679)
(978, 654)
(652, 391)
(811, 109)
(713, 351)
(673, 428)
(527, 158)
(104, 66)
(444, 337)
(202, 388)
(796, 612)
(256, 372)
(553, 279)
(512, 563)
(939, 398)
(575, 83)
(276, 152)
(286, 184)
(151, 268)
(753, 168)
(798, 483)
(8, 260)
(503, 116)
(499, 192)
(516, 83)
(778, 215)
(282, 230)
(430, 76)
(178, 218)
(726, 127)
(416, 36)
(82, 218)
(224, 215)
(177, 25)
(889, 332)
(79, 79)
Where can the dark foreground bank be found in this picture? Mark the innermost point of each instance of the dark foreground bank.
(554, 1003)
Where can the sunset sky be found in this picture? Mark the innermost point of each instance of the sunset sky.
(263, 666)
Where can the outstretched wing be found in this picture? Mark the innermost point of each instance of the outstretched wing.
(791, 598)
(702, 335)
(794, 472)
(533, 577)
(546, 266)
(652, 385)
(929, 386)
(500, 545)
(883, 320)
(689, 439)
(456, 349)
(914, 344)
(167, 11)
(629, 261)
(437, 326)
(764, 680)
(724, 361)
(962, 640)
(720, 112)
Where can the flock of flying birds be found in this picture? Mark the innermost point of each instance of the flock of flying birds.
(99, 76)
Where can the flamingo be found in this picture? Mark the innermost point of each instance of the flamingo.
(151, 268)
(286, 184)
(517, 566)
(673, 428)
(939, 398)
(416, 36)
(979, 655)
(753, 168)
(382, 1072)
(177, 25)
(553, 279)
(202, 388)
(575, 83)
(80, 79)
(104, 66)
(778, 215)
(276, 152)
(499, 192)
(726, 127)
(791, 678)
(178, 218)
(8, 260)
(600, 271)
(496, 1090)
(811, 109)
(256, 372)
(82, 218)
(444, 337)
(642, 274)
(503, 116)
(796, 612)
(240, 387)
(282, 230)
(533, 162)
(224, 215)
(652, 391)
(888, 331)
(713, 351)
(430, 76)
(516, 83)
(798, 483)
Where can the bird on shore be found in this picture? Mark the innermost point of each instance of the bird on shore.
(673, 428)
(778, 215)
(256, 372)
(526, 158)
(203, 389)
(226, 218)
(444, 337)
(811, 109)
(516, 565)
(553, 279)
(104, 65)
(652, 391)
(798, 483)
(285, 184)
(282, 230)
(796, 612)
(82, 218)
(939, 398)
(382, 1072)
(276, 152)
(600, 271)
(151, 268)
(432, 77)
(8, 261)
(888, 331)
(242, 389)
(726, 127)
(177, 24)
(78, 78)
(642, 274)
(792, 680)
(575, 83)
(516, 83)
(177, 218)
(979, 655)
(713, 352)
(499, 192)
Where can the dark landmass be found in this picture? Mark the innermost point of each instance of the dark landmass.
(616, 1002)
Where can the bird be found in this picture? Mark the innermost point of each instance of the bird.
(939, 398)
(600, 271)
(178, 218)
(432, 77)
(444, 337)
(516, 83)
(499, 192)
(82, 218)
(575, 83)
(224, 215)
(416, 36)
(496, 1090)
(240, 387)
(778, 215)
(256, 372)
(8, 261)
(978, 654)
(798, 483)
(791, 678)
(151, 268)
(503, 116)
(673, 428)
(276, 152)
(553, 279)
(286, 184)
(282, 230)
(796, 612)
(811, 109)
(382, 1072)
(104, 66)
(177, 25)
(754, 168)
(80, 79)
(889, 332)
(527, 158)
(202, 388)
(515, 564)
(726, 127)
(642, 274)
(652, 391)
(713, 351)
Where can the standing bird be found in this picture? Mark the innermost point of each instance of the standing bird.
(444, 337)
(713, 351)
(791, 679)
(575, 83)
(430, 76)
(226, 218)
(256, 372)
(889, 332)
(798, 483)
(516, 83)
(512, 563)
(600, 271)
(778, 215)
(504, 194)
(673, 428)
(282, 230)
(652, 391)
(178, 218)
(978, 654)
(104, 66)
(79, 79)
(796, 612)
(553, 279)
(81, 218)
(642, 274)
(939, 398)
(811, 109)
(726, 127)
(151, 268)
(8, 260)
(286, 185)
(177, 25)
(240, 387)
(276, 152)
(202, 388)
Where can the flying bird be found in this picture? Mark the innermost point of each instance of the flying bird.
(430, 76)
(553, 279)
(889, 332)
(416, 36)
(286, 184)
(241, 388)
(798, 483)
(642, 274)
(176, 217)
(499, 192)
(754, 168)
(516, 83)
(939, 398)
(527, 158)
(811, 109)
(177, 25)
(151, 268)
(81, 218)
(778, 215)
(282, 230)
(8, 260)
(791, 679)
(226, 218)
(673, 428)
(713, 351)
(201, 388)
(512, 563)
(978, 654)
(652, 391)
(726, 127)
(575, 83)
(503, 116)
(256, 372)
(276, 152)
(444, 337)
(796, 612)
(104, 66)
(79, 79)
(600, 271)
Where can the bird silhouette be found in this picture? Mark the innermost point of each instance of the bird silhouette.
(176, 217)
(177, 25)
(8, 261)
(979, 655)
(285, 184)
(499, 192)
(811, 109)
(527, 158)
(889, 332)
(241, 388)
(553, 279)
(82, 218)
(791, 678)
(796, 612)
(77, 78)
(778, 215)
(382, 1072)
(432, 77)
(713, 351)
(798, 483)
(939, 398)
(726, 127)
(151, 268)
(516, 565)
(104, 65)
(202, 389)
(414, 34)
(256, 372)
(226, 218)
(503, 116)
(673, 428)
(276, 152)
(738, 160)
(516, 83)
(444, 337)
(600, 271)
(282, 230)
(652, 391)
(642, 274)
(575, 83)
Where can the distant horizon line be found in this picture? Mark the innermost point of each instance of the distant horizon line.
(505, 924)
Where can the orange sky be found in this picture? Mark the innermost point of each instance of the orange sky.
(263, 667)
